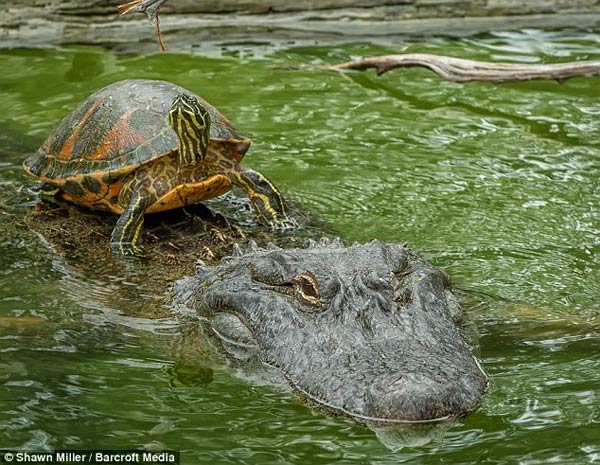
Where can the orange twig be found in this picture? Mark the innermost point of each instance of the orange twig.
(125, 8)
(159, 35)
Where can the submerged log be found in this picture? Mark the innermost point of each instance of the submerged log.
(463, 70)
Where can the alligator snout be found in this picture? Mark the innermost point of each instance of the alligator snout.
(420, 397)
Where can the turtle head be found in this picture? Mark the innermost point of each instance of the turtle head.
(191, 121)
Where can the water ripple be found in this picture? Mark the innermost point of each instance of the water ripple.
(498, 184)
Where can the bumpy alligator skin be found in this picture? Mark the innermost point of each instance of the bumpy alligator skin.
(370, 331)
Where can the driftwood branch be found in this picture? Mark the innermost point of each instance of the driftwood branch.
(461, 70)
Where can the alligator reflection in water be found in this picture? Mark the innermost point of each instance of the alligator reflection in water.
(367, 331)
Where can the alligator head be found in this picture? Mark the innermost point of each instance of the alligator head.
(368, 331)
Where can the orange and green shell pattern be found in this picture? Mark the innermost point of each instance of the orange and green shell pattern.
(113, 133)
(140, 146)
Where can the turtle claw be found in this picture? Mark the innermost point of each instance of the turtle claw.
(208, 254)
(216, 234)
(126, 249)
(286, 224)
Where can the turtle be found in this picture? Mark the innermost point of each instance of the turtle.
(143, 146)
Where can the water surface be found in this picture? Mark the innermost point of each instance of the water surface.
(499, 184)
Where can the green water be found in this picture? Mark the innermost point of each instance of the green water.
(499, 184)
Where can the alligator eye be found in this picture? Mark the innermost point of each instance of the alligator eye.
(306, 289)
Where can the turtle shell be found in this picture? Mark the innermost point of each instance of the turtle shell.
(119, 128)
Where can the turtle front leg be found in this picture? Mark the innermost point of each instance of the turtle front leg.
(268, 203)
(124, 238)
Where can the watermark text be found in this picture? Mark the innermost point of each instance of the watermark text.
(100, 457)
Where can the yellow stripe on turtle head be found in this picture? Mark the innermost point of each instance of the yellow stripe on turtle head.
(191, 121)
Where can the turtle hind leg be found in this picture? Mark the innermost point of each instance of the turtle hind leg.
(125, 235)
(268, 203)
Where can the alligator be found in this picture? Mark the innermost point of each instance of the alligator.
(368, 331)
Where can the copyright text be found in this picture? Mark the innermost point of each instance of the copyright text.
(103, 457)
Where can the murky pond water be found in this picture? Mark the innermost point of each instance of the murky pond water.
(499, 184)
